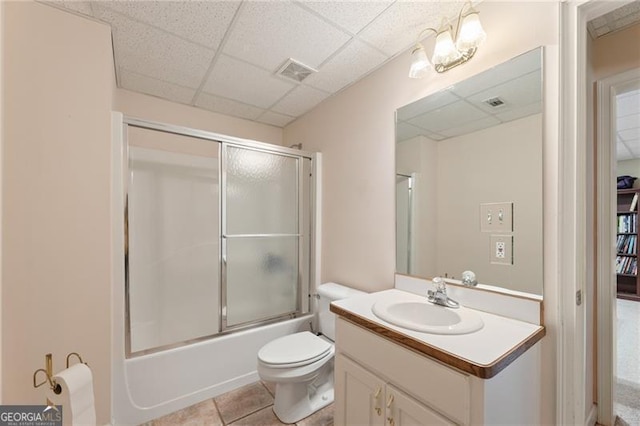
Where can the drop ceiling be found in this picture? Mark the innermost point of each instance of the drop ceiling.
(466, 106)
(223, 56)
(628, 125)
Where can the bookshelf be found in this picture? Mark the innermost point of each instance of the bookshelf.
(628, 285)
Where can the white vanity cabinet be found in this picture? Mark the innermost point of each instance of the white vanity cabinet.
(366, 399)
(380, 382)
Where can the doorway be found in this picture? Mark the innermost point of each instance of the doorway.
(618, 308)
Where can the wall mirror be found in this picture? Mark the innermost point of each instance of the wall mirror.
(469, 179)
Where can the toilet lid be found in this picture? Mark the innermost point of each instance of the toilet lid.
(294, 349)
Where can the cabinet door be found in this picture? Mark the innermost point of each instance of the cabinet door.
(359, 395)
(402, 410)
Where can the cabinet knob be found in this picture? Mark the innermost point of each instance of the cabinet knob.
(376, 396)
(391, 421)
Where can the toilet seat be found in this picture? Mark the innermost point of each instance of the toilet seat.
(294, 350)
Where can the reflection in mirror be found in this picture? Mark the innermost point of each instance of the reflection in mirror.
(469, 179)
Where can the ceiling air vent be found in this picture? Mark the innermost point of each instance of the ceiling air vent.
(494, 102)
(295, 70)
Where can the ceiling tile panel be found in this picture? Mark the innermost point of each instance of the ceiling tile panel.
(519, 66)
(515, 93)
(151, 86)
(83, 7)
(397, 28)
(350, 15)
(275, 119)
(622, 153)
(448, 117)
(299, 101)
(470, 127)
(426, 104)
(627, 122)
(628, 103)
(521, 112)
(630, 134)
(234, 79)
(145, 50)
(268, 33)
(228, 106)
(352, 63)
(203, 22)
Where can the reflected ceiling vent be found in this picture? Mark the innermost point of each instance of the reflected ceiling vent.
(295, 70)
(494, 102)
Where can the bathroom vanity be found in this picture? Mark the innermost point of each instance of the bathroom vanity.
(386, 374)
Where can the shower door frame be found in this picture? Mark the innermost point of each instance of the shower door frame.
(309, 273)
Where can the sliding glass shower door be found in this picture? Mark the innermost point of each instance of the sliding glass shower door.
(218, 236)
(261, 236)
(173, 244)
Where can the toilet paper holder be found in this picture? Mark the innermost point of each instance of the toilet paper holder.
(48, 371)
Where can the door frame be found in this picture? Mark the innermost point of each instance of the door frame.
(606, 326)
(572, 406)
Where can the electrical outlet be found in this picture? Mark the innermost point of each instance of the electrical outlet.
(501, 250)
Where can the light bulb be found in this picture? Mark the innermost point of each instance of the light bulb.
(419, 62)
(445, 51)
(471, 33)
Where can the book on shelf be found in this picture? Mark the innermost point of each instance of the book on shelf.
(634, 203)
(626, 244)
(626, 265)
(627, 223)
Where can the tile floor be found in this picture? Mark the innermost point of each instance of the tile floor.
(627, 404)
(250, 405)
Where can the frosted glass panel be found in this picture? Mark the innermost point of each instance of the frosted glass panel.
(262, 278)
(173, 225)
(262, 193)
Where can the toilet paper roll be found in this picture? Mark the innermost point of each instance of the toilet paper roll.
(76, 398)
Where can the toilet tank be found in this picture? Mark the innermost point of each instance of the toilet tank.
(329, 292)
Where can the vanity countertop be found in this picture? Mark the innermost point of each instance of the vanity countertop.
(483, 353)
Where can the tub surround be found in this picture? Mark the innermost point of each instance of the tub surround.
(483, 354)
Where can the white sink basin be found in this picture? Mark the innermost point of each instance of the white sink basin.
(427, 317)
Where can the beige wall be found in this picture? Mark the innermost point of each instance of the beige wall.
(355, 132)
(56, 174)
(499, 164)
(615, 52)
(156, 109)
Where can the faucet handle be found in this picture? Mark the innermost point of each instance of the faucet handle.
(440, 285)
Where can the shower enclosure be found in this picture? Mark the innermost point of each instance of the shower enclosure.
(217, 257)
(218, 236)
(404, 223)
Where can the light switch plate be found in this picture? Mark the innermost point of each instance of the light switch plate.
(501, 250)
(496, 217)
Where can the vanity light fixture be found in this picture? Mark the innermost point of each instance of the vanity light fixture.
(451, 48)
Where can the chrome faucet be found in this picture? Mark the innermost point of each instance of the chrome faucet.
(439, 297)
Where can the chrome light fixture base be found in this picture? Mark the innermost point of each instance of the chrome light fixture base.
(452, 48)
(464, 57)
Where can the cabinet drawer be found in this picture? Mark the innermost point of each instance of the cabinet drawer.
(442, 388)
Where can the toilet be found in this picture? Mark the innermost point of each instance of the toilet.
(301, 364)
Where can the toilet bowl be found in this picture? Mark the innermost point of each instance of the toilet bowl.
(301, 364)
